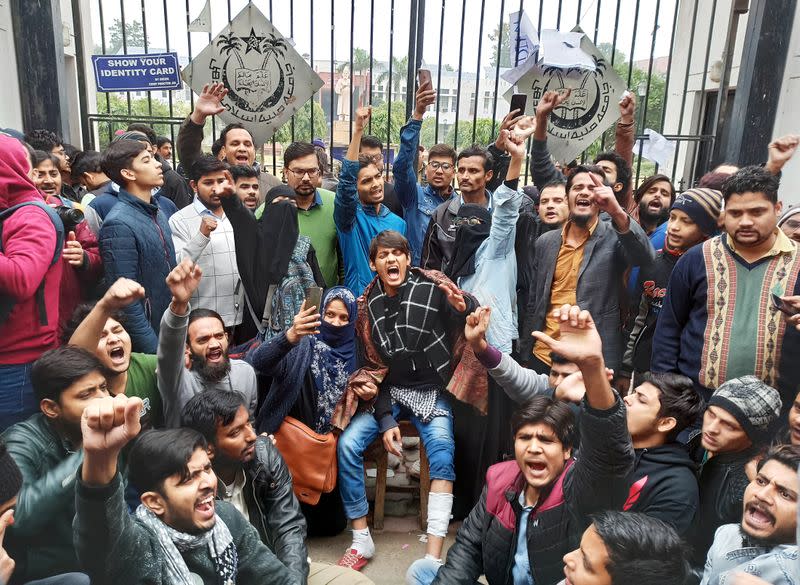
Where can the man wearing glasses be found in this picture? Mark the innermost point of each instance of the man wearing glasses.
(302, 170)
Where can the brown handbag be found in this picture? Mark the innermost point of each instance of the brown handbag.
(310, 457)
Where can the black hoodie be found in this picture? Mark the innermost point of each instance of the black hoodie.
(664, 485)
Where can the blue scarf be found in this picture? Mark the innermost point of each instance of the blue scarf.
(334, 357)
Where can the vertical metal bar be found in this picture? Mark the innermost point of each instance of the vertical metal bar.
(169, 93)
(647, 92)
(146, 50)
(478, 74)
(390, 87)
(439, 76)
(460, 62)
(703, 83)
(291, 34)
(274, 142)
(124, 45)
(633, 42)
(80, 66)
(722, 92)
(412, 57)
(333, 71)
(516, 45)
(666, 85)
(103, 45)
(558, 17)
(685, 86)
(371, 56)
(497, 68)
(613, 59)
(597, 20)
(352, 32)
(311, 59)
(541, 12)
(189, 48)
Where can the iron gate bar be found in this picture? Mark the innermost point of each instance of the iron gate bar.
(311, 63)
(124, 45)
(497, 69)
(541, 11)
(103, 46)
(352, 31)
(439, 76)
(647, 92)
(685, 85)
(390, 87)
(669, 67)
(458, 83)
(701, 110)
(597, 21)
(478, 74)
(613, 59)
(146, 50)
(558, 17)
(633, 45)
(333, 113)
(291, 34)
(169, 93)
(274, 161)
(371, 57)
(81, 69)
(412, 57)
(722, 92)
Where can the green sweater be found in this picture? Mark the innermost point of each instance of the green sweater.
(142, 382)
(114, 547)
(317, 223)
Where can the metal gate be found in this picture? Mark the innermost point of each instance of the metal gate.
(662, 48)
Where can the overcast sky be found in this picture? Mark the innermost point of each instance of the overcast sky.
(320, 11)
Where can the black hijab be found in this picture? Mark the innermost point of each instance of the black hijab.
(468, 239)
(264, 249)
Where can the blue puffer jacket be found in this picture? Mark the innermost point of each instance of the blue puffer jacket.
(108, 198)
(136, 243)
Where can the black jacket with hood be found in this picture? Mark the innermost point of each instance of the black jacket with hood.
(664, 485)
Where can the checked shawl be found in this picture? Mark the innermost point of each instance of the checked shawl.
(450, 355)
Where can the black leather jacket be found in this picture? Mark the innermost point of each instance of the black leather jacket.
(273, 507)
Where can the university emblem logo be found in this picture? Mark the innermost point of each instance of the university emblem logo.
(267, 79)
(590, 109)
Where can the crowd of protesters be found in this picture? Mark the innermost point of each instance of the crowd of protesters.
(195, 360)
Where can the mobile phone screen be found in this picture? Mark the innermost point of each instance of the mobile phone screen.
(314, 297)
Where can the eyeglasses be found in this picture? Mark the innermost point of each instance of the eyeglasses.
(300, 173)
(467, 221)
(436, 165)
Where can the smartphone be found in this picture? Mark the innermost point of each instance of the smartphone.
(424, 76)
(314, 298)
(518, 102)
(783, 306)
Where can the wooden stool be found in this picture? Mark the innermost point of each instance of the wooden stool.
(377, 453)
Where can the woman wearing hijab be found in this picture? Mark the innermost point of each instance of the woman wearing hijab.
(272, 255)
(29, 282)
(310, 364)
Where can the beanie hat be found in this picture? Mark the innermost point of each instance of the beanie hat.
(751, 402)
(532, 192)
(702, 206)
(132, 135)
(10, 476)
(787, 214)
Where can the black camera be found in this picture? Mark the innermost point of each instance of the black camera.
(70, 217)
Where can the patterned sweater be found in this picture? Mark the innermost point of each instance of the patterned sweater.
(718, 321)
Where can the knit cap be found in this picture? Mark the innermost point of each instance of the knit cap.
(702, 206)
(132, 135)
(751, 402)
(10, 476)
(787, 214)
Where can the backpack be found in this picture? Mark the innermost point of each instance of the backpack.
(7, 302)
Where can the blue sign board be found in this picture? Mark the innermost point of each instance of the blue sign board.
(154, 71)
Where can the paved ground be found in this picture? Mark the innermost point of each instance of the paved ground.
(397, 546)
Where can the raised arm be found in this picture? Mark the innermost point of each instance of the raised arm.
(190, 136)
(187, 244)
(542, 167)
(345, 204)
(118, 296)
(404, 168)
(183, 282)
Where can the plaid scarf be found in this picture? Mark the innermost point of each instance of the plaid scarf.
(218, 540)
(418, 330)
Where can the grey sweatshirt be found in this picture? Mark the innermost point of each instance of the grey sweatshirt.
(177, 384)
(520, 384)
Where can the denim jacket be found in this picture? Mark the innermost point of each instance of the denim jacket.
(494, 282)
(418, 202)
(778, 565)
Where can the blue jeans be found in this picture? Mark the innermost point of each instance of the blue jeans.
(436, 435)
(422, 572)
(17, 400)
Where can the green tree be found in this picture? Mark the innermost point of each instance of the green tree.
(483, 133)
(361, 60)
(118, 106)
(134, 36)
(505, 47)
(302, 124)
(382, 125)
(399, 75)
